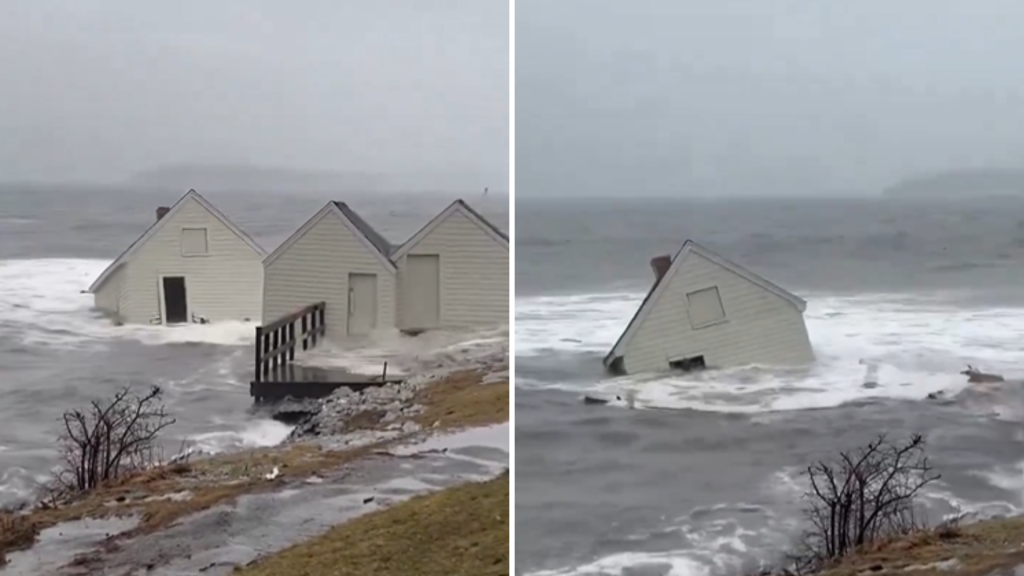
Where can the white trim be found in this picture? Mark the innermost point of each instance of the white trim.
(163, 300)
(457, 206)
(156, 226)
(651, 301)
(722, 319)
(206, 242)
(330, 208)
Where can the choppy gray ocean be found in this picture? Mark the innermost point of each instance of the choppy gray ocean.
(711, 485)
(56, 352)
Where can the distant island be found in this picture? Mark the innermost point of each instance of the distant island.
(245, 177)
(969, 183)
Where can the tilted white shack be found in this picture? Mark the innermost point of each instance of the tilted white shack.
(336, 257)
(191, 265)
(453, 273)
(706, 311)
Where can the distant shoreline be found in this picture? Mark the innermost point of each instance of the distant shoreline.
(969, 183)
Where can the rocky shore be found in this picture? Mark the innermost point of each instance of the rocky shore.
(391, 405)
(388, 411)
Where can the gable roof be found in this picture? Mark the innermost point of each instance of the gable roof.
(659, 287)
(461, 207)
(370, 238)
(157, 225)
(376, 238)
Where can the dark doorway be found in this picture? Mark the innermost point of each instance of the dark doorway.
(688, 364)
(175, 304)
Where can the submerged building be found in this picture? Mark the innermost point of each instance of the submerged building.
(705, 311)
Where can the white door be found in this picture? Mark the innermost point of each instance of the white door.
(362, 304)
(421, 291)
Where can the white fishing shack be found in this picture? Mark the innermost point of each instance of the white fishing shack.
(706, 311)
(453, 273)
(192, 264)
(336, 257)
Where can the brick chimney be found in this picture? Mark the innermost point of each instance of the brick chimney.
(161, 211)
(660, 265)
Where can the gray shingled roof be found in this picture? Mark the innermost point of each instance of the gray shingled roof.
(376, 238)
(487, 222)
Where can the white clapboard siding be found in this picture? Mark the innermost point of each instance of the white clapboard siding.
(763, 324)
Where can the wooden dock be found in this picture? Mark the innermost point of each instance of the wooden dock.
(276, 376)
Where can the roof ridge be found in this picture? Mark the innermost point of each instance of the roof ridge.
(378, 240)
(746, 272)
(494, 228)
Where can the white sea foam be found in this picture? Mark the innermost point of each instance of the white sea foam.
(954, 505)
(787, 485)
(668, 564)
(253, 434)
(230, 333)
(914, 346)
(717, 547)
(42, 303)
(409, 354)
(578, 323)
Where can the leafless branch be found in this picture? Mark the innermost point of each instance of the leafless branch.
(109, 439)
(862, 497)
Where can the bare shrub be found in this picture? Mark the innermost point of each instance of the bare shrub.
(862, 497)
(110, 439)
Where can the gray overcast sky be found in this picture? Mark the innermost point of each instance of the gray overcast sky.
(98, 89)
(763, 97)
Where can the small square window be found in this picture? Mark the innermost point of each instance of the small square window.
(705, 307)
(194, 242)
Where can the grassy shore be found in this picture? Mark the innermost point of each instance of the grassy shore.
(461, 531)
(989, 547)
(457, 401)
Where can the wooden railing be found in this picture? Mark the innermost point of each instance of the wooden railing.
(276, 342)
